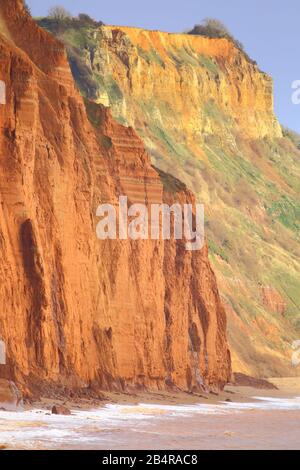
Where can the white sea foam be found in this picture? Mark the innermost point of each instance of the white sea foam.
(102, 426)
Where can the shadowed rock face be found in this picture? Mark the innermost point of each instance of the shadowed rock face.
(75, 311)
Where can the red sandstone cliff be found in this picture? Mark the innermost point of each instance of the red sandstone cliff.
(76, 311)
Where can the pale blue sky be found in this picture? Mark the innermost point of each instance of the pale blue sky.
(269, 29)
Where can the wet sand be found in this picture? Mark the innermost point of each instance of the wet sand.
(238, 418)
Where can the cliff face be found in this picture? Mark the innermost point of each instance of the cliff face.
(190, 76)
(205, 114)
(77, 311)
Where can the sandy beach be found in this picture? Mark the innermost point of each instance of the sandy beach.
(237, 418)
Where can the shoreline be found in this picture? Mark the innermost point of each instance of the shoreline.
(237, 418)
(286, 388)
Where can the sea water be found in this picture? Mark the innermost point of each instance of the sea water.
(268, 423)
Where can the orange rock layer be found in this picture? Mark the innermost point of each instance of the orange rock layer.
(175, 79)
(76, 311)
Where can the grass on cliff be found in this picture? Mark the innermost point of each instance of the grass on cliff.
(58, 26)
(183, 56)
(150, 56)
(78, 36)
(258, 251)
(81, 43)
(287, 211)
(107, 83)
(209, 64)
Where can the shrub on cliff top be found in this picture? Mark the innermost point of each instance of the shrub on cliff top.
(213, 28)
(85, 20)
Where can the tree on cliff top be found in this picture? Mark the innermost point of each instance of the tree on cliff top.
(60, 16)
(214, 28)
(59, 13)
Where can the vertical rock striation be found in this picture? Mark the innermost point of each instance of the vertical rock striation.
(76, 311)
